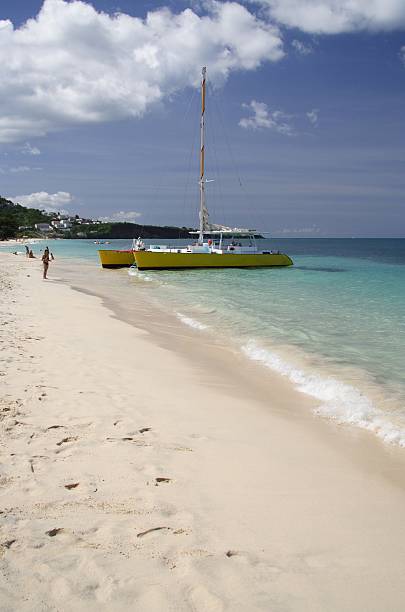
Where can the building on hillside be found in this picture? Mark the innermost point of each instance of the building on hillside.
(62, 225)
(84, 221)
(43, 227)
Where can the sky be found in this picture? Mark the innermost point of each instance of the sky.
(99, 113)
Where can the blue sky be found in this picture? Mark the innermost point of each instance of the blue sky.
(306, 112)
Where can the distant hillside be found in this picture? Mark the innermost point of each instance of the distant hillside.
(13, 216)
(127, 230)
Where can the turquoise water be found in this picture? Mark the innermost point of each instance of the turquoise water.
(334, 324)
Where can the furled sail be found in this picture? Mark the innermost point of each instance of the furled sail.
(204, 218)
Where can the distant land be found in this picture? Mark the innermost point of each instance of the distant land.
(17, 221)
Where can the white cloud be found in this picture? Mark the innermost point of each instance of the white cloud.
(17, 169)
(72, 64)
(262, 118)
(402, 54)
(29, 150)
(122, 215)
(301, 48)
(51, 202)
(336, 16)
(313, 116)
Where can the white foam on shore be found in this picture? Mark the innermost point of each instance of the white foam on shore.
(191, 322)
(339, 401)
(133, 271)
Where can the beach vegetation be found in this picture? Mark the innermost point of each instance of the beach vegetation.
(17, 221)
(126, 230)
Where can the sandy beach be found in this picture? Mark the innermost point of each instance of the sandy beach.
(145, 467)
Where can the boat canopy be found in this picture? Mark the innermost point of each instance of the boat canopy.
(217, 230)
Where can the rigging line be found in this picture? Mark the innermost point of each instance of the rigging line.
(190, 103)
(218, 187)
(190, 158)
(248, 197)
(222, 121)
(211, 169)
(159, 184)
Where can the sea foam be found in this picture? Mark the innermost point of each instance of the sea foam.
(339, 401)
(133, 271)
(191, 322)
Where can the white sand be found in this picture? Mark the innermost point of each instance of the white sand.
(310, 514)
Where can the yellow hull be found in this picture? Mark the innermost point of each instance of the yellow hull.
(116, 259)
(149, 260)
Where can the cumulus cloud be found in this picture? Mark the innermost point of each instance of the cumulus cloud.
(263, 118)
(51, 202)
(29, 150)
(72, 64)
(122, 215)
(301, 48)
(336, 16)
(313, 116)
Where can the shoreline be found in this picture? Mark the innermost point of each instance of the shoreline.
(348, 398)
(310, 512)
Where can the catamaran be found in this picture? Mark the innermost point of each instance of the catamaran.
(215, 246)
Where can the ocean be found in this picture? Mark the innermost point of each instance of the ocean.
(333, 324)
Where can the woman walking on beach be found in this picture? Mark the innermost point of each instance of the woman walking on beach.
(45, 261)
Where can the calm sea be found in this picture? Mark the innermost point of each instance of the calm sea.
(334, 323)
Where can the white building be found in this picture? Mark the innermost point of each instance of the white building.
(61, 225)
(43, 227)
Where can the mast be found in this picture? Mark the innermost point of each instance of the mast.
(203, 209)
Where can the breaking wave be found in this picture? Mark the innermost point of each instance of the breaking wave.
(191, 322)
(339, 401)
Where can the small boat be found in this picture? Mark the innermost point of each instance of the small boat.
(224, 249)
(216, 246)
(111, 258)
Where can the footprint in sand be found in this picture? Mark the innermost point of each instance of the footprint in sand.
(142, 534)
(160, 480)
(128, 439)
(243, 557)
(72, 485)
(65, 440)
(180, 531)
(53, 532)
(7, 544)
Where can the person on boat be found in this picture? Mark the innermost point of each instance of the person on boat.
(139, 244)
(45, 261)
